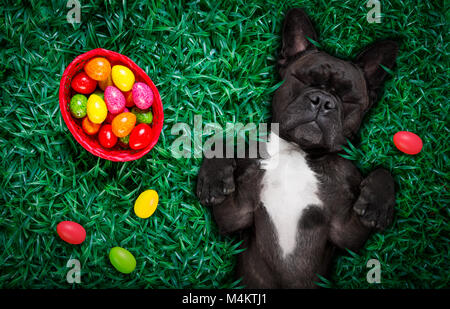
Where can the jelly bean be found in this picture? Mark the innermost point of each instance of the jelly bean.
(78, 105)
(122, 260)
(122, 77)
(114, 99)
(83, 84)
(140, 137)
(71, 232)
(146, 204)
(96, 109)
(106, 136)
(98, 68)
(89, 127)
(123, 123)
(142, 116)
(129, 99)
(408, 142)
(105, 83)
(142, 95)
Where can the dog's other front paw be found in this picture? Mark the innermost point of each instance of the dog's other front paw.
(376, 202)
(215, 180)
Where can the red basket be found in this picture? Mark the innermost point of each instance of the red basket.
(90, 143)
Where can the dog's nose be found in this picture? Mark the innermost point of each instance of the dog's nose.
(322, 101)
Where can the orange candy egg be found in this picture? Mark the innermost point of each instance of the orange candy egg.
(98, 68)
(89, 127)
(123, 124)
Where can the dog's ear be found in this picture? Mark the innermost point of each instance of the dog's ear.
(370, 60)
(297, 27)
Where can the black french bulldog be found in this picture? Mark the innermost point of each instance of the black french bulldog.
(294, 207)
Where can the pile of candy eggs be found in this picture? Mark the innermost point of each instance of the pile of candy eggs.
(112, 106)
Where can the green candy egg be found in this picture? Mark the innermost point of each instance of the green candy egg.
(122, 260)
(142, 116)
(78, 105)
(100, 93)
(125, 139)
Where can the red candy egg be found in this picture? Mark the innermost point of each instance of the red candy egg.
(106, 136)
(71, 232)
(83, 84)
(140, 137)
(408, 142)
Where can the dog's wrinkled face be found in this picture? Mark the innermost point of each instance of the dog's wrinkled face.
(323, 99)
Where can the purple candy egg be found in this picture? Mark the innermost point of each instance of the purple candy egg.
(142, 95)
(114, 99)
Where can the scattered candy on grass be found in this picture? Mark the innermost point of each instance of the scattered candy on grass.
(146, 204)
(71, 232)
(408, 142)
(122, 260)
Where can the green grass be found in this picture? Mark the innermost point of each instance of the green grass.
(215, 59)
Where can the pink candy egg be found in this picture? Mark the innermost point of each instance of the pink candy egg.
(142, 95)
(408, 142)
(114, 99)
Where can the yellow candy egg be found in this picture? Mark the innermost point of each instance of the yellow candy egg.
(146, 204)
(96, 109)
(122, 77)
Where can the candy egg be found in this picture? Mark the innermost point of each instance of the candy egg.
(122, 260)
(96, 109)
(105, 83)
(408, 142)
(78, 105)
(142, 95)
(122, 77)
(142, 116)
(140, 137)
(89, 127)
(98, 68)
(71, 232)
(83, 84)
(129, 99)
(146, 204)
(123, 123)
(114, 99)
(106, 136)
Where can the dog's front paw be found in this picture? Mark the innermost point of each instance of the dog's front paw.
(215, 181)
(376, 202)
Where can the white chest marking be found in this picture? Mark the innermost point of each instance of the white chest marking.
(289, 186)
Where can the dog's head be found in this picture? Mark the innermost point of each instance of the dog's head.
(323, 99)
